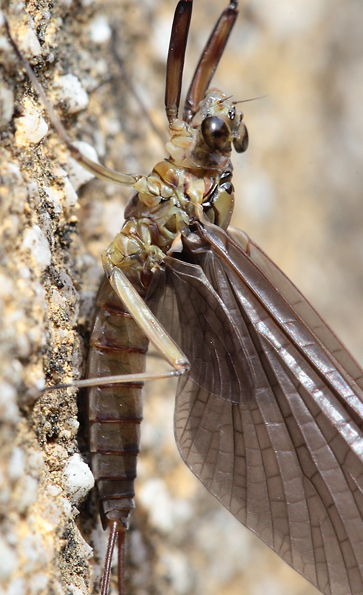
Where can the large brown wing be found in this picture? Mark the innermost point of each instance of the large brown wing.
(201, 324)
(299, 303)
(287, 459)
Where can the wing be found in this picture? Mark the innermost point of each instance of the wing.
(299, 303)
(201, 324)
(286, 457)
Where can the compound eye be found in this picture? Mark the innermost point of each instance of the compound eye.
(240, 142)
(216, 133)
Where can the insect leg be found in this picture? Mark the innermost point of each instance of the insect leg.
(100, 171)
(176, 54)
(209, 60)
(148, 323)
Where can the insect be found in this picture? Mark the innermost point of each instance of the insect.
(269, 415)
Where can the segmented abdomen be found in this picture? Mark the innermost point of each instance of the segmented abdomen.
(117, 346)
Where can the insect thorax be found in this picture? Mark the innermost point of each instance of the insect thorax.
(193, 183)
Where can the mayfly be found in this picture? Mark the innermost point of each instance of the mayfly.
(269, 405)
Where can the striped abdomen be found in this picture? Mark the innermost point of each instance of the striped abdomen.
(117, 346)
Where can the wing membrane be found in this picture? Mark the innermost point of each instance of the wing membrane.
(299, 303)
(286, 456)
(208, 336)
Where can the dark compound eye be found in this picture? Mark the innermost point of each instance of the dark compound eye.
(216, 133)
(240, 142)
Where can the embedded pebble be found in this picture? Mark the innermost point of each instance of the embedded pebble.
(84, 548)
(77, 478)
(26, 493)
(55, 198)
(50, 516)
(35, 461)
(36, 242)
(100, 30)
(75, 590)
(6, 287)
(57, 588)
(30, 126)
(70, 194)
(16, 464)
(8, 560)
(38, 583)
(8, 407)
(77, 174)
(27, 41)
(57, 301)
(69, 89)
(32, 552)
(17, 587)
(6, 104)
(54, 490)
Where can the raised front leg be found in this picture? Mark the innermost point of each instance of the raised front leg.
(100, 171)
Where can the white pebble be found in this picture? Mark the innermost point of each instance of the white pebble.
(8, 409)
(30, 127)
(35, 461)
(65, 506)
(57, 301)
(70, 194)
(6, 104)
(32, 551)
(69, 89)
(28, 492)
(36, 242)
(16, 587)
(100, 30)
(77, 174)
(16, 464)
(54, 490)
(6, 287)
(76, 591)
(38, 583)
(77, 478)
(28, 42)
(57, 588)
(55, 197)
(7, 560)
(84, 548)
